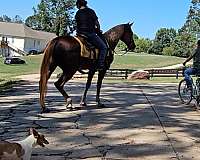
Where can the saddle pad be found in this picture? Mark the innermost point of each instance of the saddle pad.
(87, 52)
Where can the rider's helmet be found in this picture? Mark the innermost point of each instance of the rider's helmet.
(80, 3)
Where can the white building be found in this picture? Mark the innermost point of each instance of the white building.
(23, 38)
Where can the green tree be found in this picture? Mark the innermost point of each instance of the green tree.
(32, 22)
(183, 44)
(142, 45)
(164, 38)
(122, 46)
(168, 51)
(192, 24)
(6, 18)
(17, 19)
(156, 48)
(186, 38)
(53, 16)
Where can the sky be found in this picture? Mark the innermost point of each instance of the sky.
(148, 15)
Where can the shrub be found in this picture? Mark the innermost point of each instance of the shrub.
(168, 51)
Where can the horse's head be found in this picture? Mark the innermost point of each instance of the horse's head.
(127, 36)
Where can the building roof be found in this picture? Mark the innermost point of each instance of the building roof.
(21, 30)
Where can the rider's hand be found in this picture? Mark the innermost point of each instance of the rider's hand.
(98, 31)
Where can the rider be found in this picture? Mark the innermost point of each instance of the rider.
(88, 24)
(196, 65)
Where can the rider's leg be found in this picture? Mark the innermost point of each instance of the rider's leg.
(99, 43)
(187, 74)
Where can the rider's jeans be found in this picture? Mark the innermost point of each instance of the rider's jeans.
(187, 73)
(99, 43)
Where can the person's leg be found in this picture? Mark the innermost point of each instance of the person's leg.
(187, 74)
(99, 43)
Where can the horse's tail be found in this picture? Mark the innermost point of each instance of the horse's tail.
(44, 70)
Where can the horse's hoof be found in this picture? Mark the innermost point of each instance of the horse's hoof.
(69, 108)
(46, 110)
(100, 105)
(83, 104)
(68, 102)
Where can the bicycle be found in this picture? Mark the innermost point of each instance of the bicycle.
(187, 94)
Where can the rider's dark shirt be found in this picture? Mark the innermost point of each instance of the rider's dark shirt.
(85, 19)
(196, 58)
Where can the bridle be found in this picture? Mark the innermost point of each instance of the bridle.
(126, 49)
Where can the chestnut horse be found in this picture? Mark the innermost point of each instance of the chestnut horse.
(64, 52)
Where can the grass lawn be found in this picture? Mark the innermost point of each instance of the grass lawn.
(129, 61)
(10, 71)
(144, 61)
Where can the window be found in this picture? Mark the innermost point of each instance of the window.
(34, 43)
(38, 43)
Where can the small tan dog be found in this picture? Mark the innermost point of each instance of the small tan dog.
(21, 150)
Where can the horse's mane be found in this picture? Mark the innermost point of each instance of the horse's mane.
(113, 34)
(113, 29)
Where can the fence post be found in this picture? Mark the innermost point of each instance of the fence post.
(126, 74)
(151, 73)
(177, 74)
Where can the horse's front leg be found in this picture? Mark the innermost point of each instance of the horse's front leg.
(91, 73)
(101, 75)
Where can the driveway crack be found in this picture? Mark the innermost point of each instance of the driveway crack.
(161, 124)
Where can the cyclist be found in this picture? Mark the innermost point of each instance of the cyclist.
(196, 65)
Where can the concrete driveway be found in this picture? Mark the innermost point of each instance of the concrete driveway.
(141, 122)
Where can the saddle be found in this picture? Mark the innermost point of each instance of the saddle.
(87, 49)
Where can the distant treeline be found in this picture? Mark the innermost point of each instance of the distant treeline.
(169, 41)
(16, 19)
(57, 16)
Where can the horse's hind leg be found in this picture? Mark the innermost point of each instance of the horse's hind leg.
(52, 67)
(60, 86)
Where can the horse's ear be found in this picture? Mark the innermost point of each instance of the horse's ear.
(131, 23)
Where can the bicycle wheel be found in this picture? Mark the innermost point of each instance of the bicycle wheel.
(184, 93)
